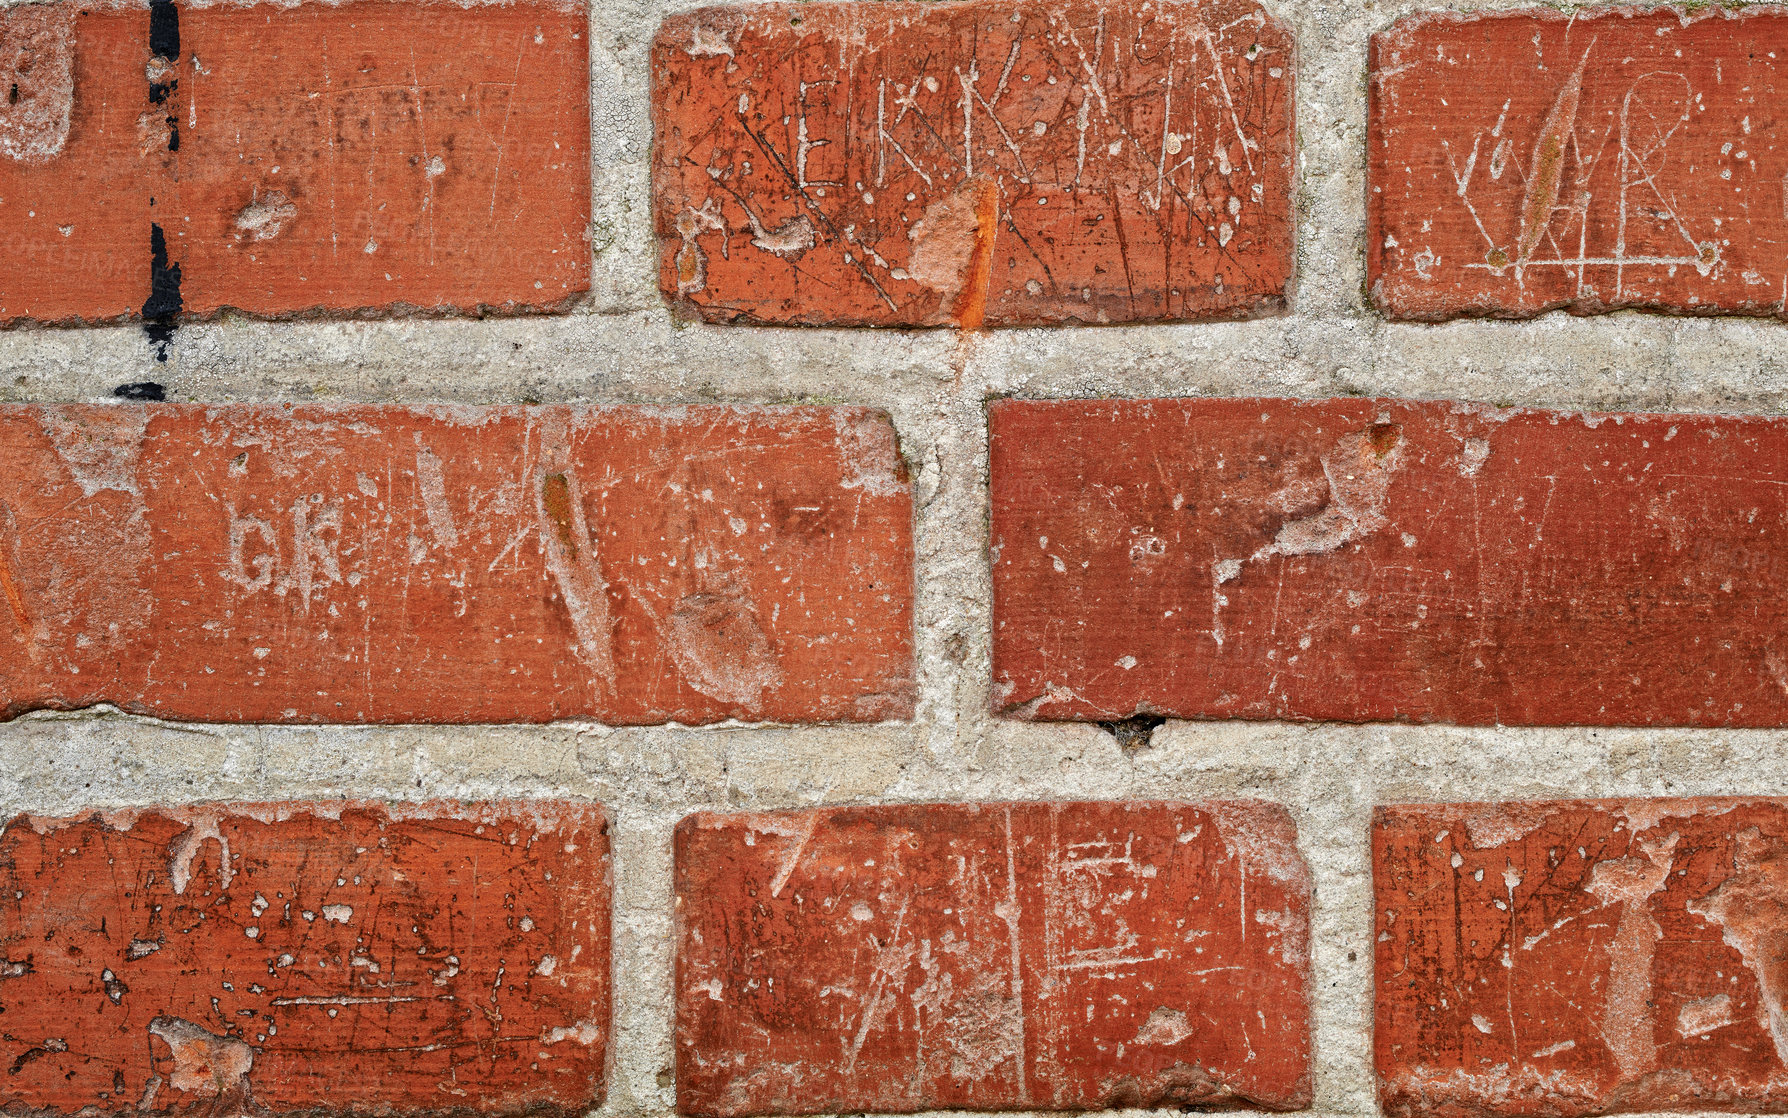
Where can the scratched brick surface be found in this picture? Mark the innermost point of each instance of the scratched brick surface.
(1523, 161)
(387, 564)
(983, 162)
(318, 157)
(300, 957)
(1582, 957)
(995, 957)
(1366, 560)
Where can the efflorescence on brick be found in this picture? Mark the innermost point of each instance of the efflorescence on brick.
(389, 564)
(1375, 560)
(1590, 160)
(315, 158)
(915, 164)
(992, 957)
(1582, 957)
(306, 957)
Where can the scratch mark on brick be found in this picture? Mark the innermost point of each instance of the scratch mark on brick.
(1751, 908)
(8, 584)
(432, 481)
(793, 857)
(572, 559)
(1546, 169)
(1631, 882)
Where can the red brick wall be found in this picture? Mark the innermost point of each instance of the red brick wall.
(869, 556)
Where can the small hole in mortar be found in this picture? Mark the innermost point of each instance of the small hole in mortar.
(1133, 733)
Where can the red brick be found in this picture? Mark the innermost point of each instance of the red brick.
(988, 162)
(992, 957)
(1582, 957)
(386, 564)
(1607, 158)
(1366, 560)
(306, 957)
(330, 157)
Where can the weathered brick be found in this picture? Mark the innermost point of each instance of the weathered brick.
(919, 164)
(386, 564)
(1388, 560)
(992, 957)
(316, 157)
(1592, 160)
(1582, 957)
(306, 958)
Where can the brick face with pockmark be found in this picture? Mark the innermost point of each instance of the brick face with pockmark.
(306, 958)
(1582, 957)
(389, 564)
(1368, 560)
(1592, 160)
(287, 159)
(1068, 956)
(907, 164)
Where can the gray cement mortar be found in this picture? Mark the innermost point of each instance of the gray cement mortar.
(624, 346)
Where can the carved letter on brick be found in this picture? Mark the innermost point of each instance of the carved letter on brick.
(916, 164)
(1592, 160)
(1582, 957)
(996, 957)
(306, 958)
(1366, 560)
(386, 564)
(293, 158)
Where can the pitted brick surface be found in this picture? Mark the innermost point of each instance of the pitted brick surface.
(306, 958)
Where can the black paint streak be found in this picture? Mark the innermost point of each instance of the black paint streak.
(164, 44)
(1133, 733)
(162, 308)
(164, 29)
(146, 390)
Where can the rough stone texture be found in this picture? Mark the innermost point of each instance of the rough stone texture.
(308, 158)
(1000, 956)
(1624, 157)
(455, 565)
(291, 958)
(916, 164)
(1373, 559)
(1582, 956)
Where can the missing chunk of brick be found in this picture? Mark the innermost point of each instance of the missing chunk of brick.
(36, 80)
